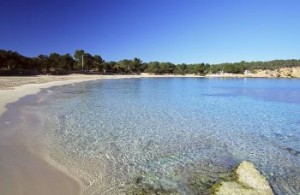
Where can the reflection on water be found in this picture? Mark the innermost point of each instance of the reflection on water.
(176, 135)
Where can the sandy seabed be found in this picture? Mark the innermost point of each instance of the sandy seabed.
(24, 169)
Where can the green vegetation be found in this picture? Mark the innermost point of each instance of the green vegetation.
(13, 63)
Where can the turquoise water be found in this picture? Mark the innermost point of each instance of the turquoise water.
(167, 132)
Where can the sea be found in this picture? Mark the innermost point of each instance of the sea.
(171, 135)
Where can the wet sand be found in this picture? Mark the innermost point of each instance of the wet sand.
(24, 172)
(24, 168)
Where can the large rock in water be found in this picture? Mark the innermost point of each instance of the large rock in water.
(247, 180)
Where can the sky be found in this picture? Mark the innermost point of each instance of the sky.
(178, 31)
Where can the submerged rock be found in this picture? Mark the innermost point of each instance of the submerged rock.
(247, 180)
(293, 151)
(151, 185)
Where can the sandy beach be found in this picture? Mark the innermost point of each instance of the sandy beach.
(23, 171)
(13, 88)
(27, 171)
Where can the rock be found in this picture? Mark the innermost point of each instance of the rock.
(293, 151)
(233, 188)
(168, 186)
(151, 185)
(247, 180)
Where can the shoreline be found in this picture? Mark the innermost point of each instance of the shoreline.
(13, 146)
(16, 146)
(23, 170)
(16, 89)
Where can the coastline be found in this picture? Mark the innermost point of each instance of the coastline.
(14, 148)
(16, 90)
(22, 170)
(13, 88)
(27, 171)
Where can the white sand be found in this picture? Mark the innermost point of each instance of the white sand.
(12, 95)
(22, 170)
(13, 88)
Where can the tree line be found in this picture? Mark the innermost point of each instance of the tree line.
(13, 63)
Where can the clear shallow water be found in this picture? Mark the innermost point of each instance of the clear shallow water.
(176, 134)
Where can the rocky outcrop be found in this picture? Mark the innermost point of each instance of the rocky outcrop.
(288, 72)
(246, 180)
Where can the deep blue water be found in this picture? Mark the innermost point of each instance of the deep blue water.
(170, 129)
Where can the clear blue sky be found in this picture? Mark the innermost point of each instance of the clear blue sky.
(178, 31)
